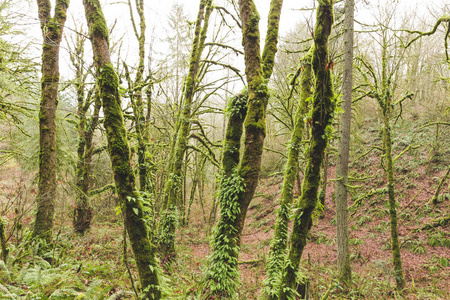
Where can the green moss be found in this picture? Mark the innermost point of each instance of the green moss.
(97, 21)
(323, 106)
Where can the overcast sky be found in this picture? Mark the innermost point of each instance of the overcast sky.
(157, 13)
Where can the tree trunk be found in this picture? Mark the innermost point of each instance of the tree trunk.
(395, 246)
(175, 179)
(52, 30)
(322, 112)
(119, 151)
(277, 252)
(86, 126)
(344, 150)
(240, 180)
(385, 103)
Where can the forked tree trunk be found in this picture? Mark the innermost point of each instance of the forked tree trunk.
(52, 30)
(345, 274)
(278, 245)
(240, 178)
(119, 152)
(322, 112)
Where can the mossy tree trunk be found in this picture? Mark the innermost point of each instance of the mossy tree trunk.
(385, 102)
(85, 148)
(434, 199)
(322, 116)
(174, 182)
(137, 100)
(240, 177)
(344, 150)
(119, 152)
(52, 30)
(381, 91)
(278, 245)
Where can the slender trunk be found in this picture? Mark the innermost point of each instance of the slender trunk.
(323, 189)
(344, 150)
(119, 151)
(52, 30)
(174, 182)
(322, 109)
(278, 245)
(398, 270)
(3, 241)
(385, 102)
(86, 127)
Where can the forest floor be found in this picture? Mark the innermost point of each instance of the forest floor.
(425, 254)
(92, 266)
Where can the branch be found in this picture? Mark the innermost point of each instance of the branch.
(421, 34)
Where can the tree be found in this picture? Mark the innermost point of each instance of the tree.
(52, 30)
(240, 176)
(136, 96)
(278, 245)
(86, 127)
(344, 149)
(119, 152)
(382, 90)
(323, 102)
(174, 182)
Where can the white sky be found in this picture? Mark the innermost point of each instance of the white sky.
(157, 12)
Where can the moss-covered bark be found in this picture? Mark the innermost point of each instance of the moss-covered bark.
(278, 245)
(322, 115)
(174, 182)
(381, 91)
(52, 30)
(385, 104)
(3, 240)
(434, 200)
(241, 176)
(136, 96)
(119, 151)
(86, 127)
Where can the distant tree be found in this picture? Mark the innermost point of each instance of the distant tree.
(381, 87)
(119, 152)
(87, 98)
(174, 182)
(52, 31)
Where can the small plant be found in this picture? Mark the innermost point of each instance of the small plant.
(364, 219)
(356, 242)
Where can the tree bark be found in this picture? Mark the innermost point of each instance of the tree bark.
(86, 128)
(385, 102)
(278, 245)
(322, 116)
(119, 152)
(344, 150)
(240, 177)
(52, 30)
